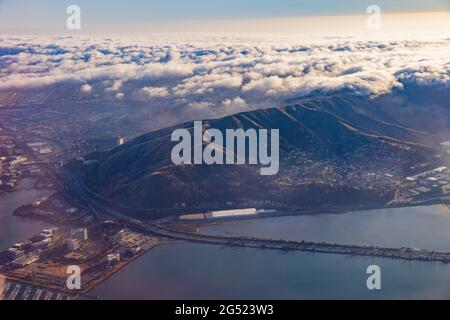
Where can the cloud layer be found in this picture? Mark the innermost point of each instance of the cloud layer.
(226, 74)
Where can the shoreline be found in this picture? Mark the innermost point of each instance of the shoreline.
(180, 225)
(120, 266)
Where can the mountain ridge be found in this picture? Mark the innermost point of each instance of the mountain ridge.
(324, 159)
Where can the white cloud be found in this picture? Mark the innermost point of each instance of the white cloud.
(154, 92)
(116, 85)
(200, 105)
(85, 88)
(235, 102)
(266, 86)
(223, 73)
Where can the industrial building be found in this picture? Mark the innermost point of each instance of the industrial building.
(14, 253)
(47, 233)
(129, 252)
(43, 244)
(193, 216)
(22, 245)
(230, 213)
(79, 234)
(25, 260)
(112, 259)
(73, 244)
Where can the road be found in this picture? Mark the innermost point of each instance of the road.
(100, 204)
(77, 193)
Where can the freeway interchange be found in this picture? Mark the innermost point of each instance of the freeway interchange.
(78, 194)
(167, 229)
(101, 208)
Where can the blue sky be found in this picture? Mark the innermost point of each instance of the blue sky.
(31, 14)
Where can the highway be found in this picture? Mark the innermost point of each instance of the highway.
(159, 229)
(76, 193)
(286, 245)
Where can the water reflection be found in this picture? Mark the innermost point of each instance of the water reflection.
(197, 271)
(425, 227)
(12, 228)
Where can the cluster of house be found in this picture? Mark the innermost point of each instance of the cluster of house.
(435, 182)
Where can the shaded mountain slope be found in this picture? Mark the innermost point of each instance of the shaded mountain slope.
(325, 159)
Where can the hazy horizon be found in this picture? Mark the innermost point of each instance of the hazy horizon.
(199, 16)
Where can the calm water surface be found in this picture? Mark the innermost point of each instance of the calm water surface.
(191, 271)
(417, 227)
(12, 228)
